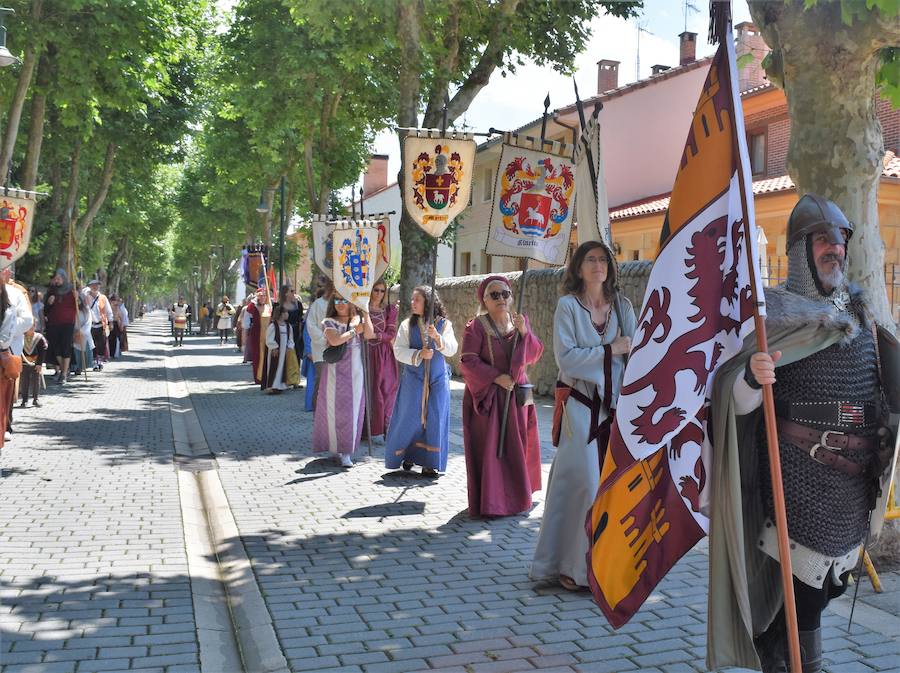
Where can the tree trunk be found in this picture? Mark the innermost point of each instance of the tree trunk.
(417, 246)
(827, 70)
(67, 252)
(85, 221)
(36, 127)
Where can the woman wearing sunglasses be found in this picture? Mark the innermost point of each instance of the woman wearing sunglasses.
(382, 364)
(408, 442)
(341, 402)
(494, 372)
(590, 345)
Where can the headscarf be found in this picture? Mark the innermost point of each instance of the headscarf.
(487, 281)
(66, 286)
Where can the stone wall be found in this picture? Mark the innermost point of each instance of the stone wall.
(541, 294)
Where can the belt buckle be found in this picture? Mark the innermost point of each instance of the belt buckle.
(824, 439)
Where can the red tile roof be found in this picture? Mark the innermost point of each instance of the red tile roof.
(782, 183)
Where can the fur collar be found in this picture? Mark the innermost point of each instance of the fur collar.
(788, 310)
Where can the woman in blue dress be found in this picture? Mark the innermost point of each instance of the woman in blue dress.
(408, 442)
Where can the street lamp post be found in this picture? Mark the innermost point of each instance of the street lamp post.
(264, 208)
(6, 58)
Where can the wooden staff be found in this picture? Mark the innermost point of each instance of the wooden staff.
(504, 422)
(367, 376)
(426, 384)
(762, 345)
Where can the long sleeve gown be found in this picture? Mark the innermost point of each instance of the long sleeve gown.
(498, 486)
(406, 439)
(583, 354)
(383, 368)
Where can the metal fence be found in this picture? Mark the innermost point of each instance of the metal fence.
(775, 273)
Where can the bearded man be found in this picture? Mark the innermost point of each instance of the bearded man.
(835, 378)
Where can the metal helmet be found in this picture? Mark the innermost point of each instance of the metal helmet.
(814, 214)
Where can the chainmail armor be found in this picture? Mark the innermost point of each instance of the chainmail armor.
(827, 510)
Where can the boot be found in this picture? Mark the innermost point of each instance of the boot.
(811, 650)
(771, 647)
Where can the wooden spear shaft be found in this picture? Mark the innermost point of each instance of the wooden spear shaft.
(784, 549)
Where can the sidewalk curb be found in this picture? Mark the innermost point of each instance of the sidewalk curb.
(227, 599)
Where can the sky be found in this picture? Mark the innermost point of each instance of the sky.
(509, 102)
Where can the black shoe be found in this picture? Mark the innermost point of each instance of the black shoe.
(430, 472)
(24, 404)
(407, 465)
(36, 403)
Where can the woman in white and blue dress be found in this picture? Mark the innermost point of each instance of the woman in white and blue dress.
(408, 443)
(590, 344)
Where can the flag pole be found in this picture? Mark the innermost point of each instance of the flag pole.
(367, 377)
(768, 405)
(426, 383)
(504, 422)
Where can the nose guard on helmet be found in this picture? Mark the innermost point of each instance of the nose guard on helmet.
(814, 214)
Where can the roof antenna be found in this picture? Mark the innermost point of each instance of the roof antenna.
(689, 8)
(637, 61)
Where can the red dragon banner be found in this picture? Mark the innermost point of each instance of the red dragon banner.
(652, 504)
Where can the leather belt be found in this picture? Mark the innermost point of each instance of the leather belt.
(841, 413)
(825, 447)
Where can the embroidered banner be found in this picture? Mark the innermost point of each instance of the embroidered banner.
(322, 229)
(437, 177)
(533, 197)
(592, 207)
(16, 218)
(652, 505)
(353, 255)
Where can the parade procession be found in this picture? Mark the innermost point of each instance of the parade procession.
(599, 384)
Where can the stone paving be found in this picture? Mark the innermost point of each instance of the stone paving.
(370, 570)
(94, 575)
(362, 571)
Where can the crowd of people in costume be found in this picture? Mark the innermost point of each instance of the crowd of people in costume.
(63, 330)
(820, 321)
(408, 405)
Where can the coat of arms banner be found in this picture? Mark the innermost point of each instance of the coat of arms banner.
(533, 197)
(353, 257)
(438, 177)
(323, 227)
(16, 217)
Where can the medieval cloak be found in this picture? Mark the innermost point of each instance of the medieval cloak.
(256, 344)
(407, 440)
(341, 405)
(384, 379)
(745, 591)
(278, 336)
(581, 352)
(498, 486)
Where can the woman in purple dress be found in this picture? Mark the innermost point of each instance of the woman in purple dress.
(382, 364)
(492, 365)
(341, 401)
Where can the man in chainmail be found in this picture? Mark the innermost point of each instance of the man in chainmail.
(835, 440)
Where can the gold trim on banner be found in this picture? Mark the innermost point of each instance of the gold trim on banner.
(446, 135)
(565, 150)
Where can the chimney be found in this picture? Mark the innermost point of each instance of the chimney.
(658, 68)
(688, 48)
(607, 75)
(750, 45)
(376, 174)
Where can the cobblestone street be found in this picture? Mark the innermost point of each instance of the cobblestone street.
(359, 571)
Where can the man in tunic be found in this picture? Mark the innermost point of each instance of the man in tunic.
(259, 311)
(834, 377)
(101, 317)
